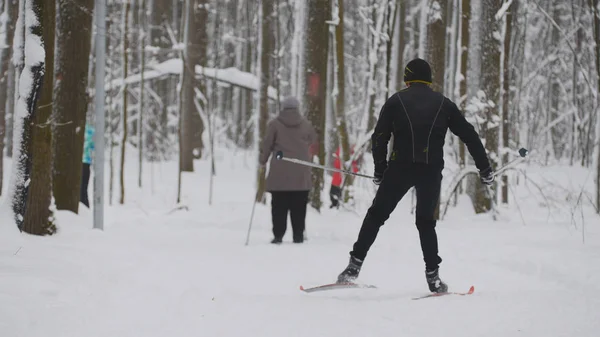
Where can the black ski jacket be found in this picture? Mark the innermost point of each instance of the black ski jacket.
(419, 119)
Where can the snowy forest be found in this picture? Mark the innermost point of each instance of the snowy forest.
(188, 79)
(135, 195)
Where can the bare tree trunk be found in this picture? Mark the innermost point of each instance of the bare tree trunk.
(112, 113)
(391, 21)
(247, 101)
(464, 57)
(317, 47)
(25, 106)
(200, 56)
(264, 71)
(401, 41)
(124, 122)
(73, 46)
(595, 6)
(436, 50)
(11, 8)
(436, 44)
(379, 19)
(506, 98)
(340, 109)
(196, 44)
(11, 97)
(490, 85)
(187, 94)
(38, 219)
(142, 32)
(160, 14)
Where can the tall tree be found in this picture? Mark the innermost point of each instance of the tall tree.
(401, 25)
(161, 49)
(124, 121)
(141, 112)
(73, 44)
(595, 8)
(10, 12)
(187, 95)
(436, 47)
(317, 47)
(202, 10)
(196, 40)
(32, 181)
(506, 96)
(267, 17)
(464, 57)
(490, 85)
(436, 43)
(340, 85)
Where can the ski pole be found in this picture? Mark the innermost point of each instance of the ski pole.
(522, 154)
(279, 156)
(252, 214)
(250, 225)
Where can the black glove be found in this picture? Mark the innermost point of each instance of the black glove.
(379, 170)
(487, 176)
(378, 178)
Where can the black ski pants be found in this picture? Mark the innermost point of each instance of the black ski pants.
(335, 195)
(85, 179)
(294, 203)
(398, 179)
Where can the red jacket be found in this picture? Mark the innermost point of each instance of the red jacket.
(337, 176)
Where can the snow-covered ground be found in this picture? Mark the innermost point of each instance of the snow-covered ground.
(155, 271)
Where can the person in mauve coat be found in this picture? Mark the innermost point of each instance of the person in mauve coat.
(288, 183)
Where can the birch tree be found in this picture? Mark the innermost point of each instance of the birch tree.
(125, 113)
(506, 80)
(464, 57)
(9, 15)
(32, 182)
(142, 37)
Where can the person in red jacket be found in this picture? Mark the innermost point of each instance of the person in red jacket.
(335, 192)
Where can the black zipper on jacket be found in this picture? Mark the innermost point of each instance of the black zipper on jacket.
(431, 130)
(412, 132)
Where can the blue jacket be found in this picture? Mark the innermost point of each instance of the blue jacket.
(88, 144)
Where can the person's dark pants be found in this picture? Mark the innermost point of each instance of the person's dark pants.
(335, 195)
(398, 179)
(85, 179)
(294, 203)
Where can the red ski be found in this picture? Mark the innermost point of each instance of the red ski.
(471, 291)
(334, 286)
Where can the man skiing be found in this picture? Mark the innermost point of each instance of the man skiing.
(419, 118)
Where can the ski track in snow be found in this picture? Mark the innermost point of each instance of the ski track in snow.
(188, 273)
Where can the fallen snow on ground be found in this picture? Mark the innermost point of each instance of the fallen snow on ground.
(157, 271)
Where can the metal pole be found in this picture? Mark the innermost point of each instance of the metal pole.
(100, 17)
(279, 156)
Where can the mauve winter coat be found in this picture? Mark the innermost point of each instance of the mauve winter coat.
(293, 135)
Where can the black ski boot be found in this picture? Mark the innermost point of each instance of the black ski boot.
(351, 272)
(435, 283)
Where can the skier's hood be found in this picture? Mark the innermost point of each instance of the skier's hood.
(290, 113)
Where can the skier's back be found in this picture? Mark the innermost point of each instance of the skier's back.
(419, 118)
